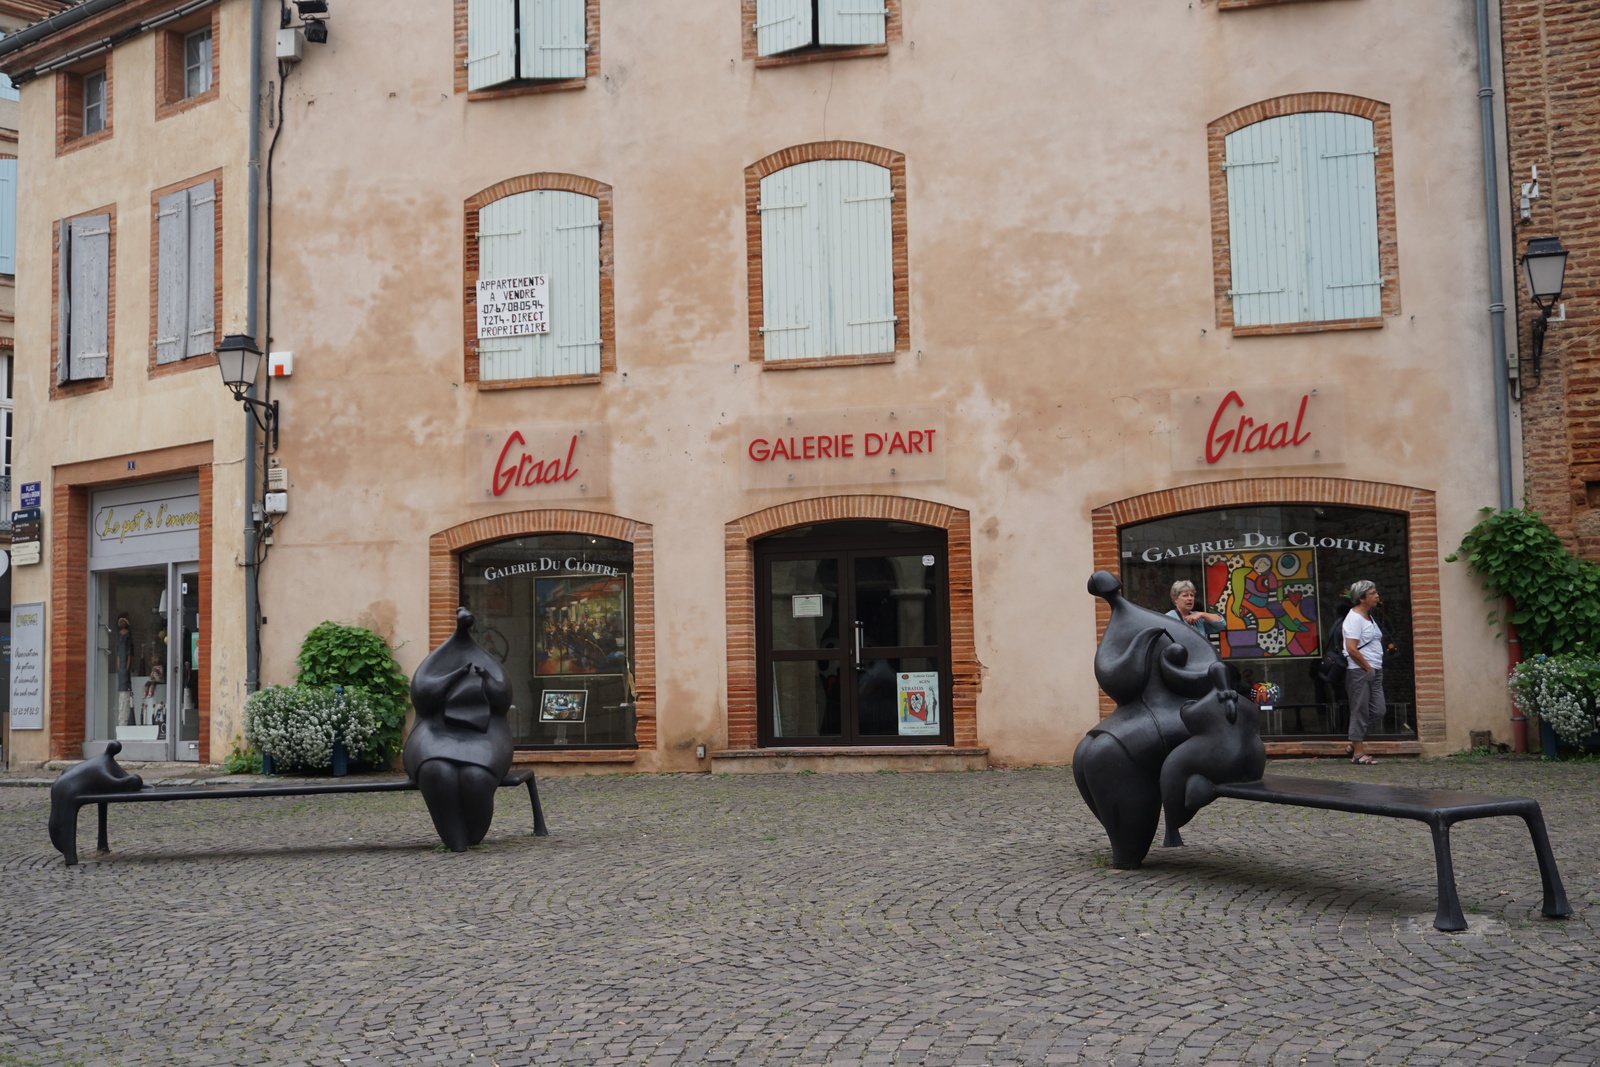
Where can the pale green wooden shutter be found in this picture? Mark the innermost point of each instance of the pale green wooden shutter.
(1303, 220)
(554, 39)
(8, 88)
(861, 258)
(556, 234)
(795, 311)
(172, 271)
(827, 260)
(491, 42)
(200, 325)
(90, 281)
(1342, 215)
(782, 25)
(844, 22)
(8, 216)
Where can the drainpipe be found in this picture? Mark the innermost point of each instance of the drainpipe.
(1499, 365)
(252, 572)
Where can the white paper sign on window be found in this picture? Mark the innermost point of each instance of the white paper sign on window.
(27, 667)
(918, 703)
(514, 307)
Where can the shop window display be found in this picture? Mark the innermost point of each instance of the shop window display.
(1276, 576)
(557, 611)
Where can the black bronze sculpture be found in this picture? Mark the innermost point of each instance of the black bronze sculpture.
(460, 749)
(1151, 664)
(100, 774)
(1224, 746)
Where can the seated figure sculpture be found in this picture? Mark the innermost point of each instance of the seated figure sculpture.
(460, 748)
(1150, 664)
(98, 774)
(1224, 746)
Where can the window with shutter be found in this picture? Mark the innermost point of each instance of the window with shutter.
(786, 31)
(1303, 220)
(8, 89)
(827, 260)
(8, 216)
(556, 234)
(509, 42)
(84, 300)
(186, 273)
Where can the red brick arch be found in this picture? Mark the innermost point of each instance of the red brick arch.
(738, 545)
(444, 584)
(1418, 505)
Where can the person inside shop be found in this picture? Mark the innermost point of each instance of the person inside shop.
(124, 653)
(1363, 651)
(1204, 622)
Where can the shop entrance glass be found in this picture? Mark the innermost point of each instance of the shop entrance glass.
(145, 681)
(853, 641)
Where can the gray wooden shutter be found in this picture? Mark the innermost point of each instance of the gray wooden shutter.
(782, 25)
(8, 216)
(200, 329)
(1341, 200)
(554, 39)
(557, 234)
(90, 283)
(63, 301)
(795, 298)
(1266, 227)
(172, 266)
(491, 42)
(860, 236)
(841, 22)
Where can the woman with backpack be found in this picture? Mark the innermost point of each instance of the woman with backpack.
(1363, 652)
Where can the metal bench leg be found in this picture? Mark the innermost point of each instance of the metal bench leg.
(1449, 916)
(539, 828)
(102, 846)
(1555, 895)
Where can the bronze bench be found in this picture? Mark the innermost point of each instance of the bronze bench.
(1439, 808)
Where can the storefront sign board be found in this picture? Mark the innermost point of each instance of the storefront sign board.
(1257, 426)
(917, 700)
(513, 307)
(27, 666)
(149, 519)
(846, 447)
(534, 463)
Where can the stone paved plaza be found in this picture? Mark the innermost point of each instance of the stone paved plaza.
(807, 919)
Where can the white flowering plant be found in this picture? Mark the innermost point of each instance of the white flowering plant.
(1560, 690)
(297, 725)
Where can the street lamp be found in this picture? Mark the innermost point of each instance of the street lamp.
(239, 360)
(1545, 267)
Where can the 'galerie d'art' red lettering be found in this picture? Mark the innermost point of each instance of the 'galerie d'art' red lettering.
(529, 471)
(841, 445)
(1252, 436)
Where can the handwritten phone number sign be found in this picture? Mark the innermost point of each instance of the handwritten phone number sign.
(514, 307)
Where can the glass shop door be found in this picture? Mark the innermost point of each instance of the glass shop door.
(853, 645)
(184, 656)
(144, 690)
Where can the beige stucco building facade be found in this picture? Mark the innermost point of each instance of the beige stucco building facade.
(821, 373)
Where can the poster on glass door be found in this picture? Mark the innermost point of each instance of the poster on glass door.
(918, 703)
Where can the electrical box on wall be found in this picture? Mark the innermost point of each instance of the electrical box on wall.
(277, 478)
(291, 45)
(276, 504)
(280, 364)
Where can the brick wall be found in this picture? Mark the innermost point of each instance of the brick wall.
(1552, 80)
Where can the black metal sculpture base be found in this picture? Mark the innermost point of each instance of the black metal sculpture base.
(460, 747)
(1173, 700)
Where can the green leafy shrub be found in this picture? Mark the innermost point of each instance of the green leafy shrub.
(356, 658)
(297, 724)
(243, 759)
(1555, 596)
(1561, 691)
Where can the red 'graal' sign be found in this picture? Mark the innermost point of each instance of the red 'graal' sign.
(1249, 434)
(517, 467)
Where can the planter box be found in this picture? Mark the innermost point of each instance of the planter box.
(1548, 740)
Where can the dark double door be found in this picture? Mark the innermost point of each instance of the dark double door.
(852, 635)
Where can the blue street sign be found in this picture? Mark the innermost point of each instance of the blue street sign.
(30, 494)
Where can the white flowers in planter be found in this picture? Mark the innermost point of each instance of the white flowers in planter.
(1561, 691)
(298, 725)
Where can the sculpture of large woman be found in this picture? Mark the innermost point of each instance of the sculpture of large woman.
(460, 748)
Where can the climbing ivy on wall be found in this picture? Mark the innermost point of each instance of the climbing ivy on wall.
(1555, 596)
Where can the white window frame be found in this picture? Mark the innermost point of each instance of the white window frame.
(94, 101)
(197, 69)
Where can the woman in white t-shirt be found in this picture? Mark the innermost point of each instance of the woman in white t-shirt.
(1363, 653)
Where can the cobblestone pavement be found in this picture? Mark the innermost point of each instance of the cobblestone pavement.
(805, 919)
